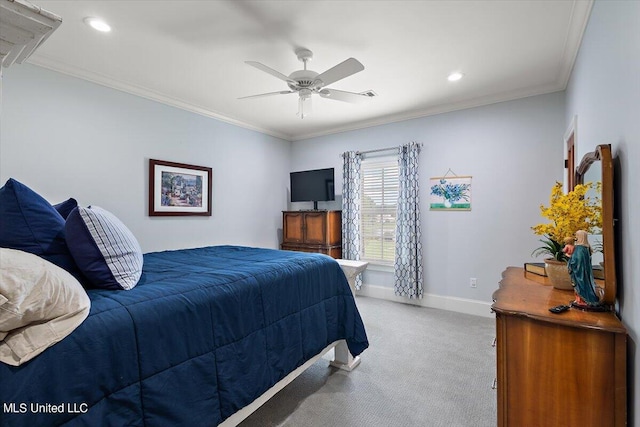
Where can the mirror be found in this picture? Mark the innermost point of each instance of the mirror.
(594, 175)
(597, 166)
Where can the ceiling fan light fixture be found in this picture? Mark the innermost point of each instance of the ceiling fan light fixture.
(455, 76)
(97, 24)
(304, 103)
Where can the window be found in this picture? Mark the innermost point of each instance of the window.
(379, 199)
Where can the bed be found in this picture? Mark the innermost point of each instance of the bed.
(206, 332)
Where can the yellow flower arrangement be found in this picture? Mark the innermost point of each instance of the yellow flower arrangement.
(568, 213)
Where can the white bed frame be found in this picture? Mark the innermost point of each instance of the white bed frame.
(341, 359)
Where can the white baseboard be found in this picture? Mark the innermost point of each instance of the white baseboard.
(461, 305)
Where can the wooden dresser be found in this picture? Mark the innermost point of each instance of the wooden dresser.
(313, 231)
(566, 369)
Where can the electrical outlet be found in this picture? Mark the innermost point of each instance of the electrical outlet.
(473, 282)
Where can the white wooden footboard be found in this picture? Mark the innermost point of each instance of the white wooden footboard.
(342, 359)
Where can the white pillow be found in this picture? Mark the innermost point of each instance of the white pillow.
(40, 304)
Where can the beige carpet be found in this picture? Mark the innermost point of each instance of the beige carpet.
(424, 367)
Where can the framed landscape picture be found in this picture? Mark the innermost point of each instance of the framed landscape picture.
(450, 193)
(178, 189)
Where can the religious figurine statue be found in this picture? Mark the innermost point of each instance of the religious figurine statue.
(568, 246)
(581, 273)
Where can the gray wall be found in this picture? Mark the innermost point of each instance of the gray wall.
(604, 93)
(514, 152)
(65, 137)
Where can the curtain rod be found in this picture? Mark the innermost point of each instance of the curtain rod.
(377, 151)
(382, 149)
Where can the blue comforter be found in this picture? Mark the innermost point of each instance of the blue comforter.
(203, 334)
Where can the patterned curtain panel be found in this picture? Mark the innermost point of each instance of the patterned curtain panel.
(408, 263)
(351, 208)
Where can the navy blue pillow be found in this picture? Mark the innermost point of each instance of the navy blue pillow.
(64, 208)
(29, 223)
(105, 250)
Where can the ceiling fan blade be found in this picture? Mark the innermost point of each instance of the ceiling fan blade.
(340, 71)
(282, 92)
(270, 70)
(341, 95)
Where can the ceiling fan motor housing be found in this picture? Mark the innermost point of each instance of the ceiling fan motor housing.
(304, 79)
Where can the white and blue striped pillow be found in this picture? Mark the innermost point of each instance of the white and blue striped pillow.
(104, 249)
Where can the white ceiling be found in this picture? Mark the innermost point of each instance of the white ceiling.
(191, 54)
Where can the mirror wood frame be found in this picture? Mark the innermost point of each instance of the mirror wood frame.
(602, 154)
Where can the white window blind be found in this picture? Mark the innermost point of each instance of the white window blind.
(379, 199)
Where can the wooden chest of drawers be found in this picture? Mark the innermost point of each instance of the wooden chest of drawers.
(566, 369)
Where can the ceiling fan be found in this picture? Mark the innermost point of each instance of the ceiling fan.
(307, 82)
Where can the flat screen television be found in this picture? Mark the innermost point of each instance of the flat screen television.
(312, 186)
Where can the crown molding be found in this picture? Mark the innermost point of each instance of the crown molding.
(580, 13)
(438, 109)
(143, 92)
(100, 79)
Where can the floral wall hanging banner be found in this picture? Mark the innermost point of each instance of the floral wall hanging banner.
(450, 193)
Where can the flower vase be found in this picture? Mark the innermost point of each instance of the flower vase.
(558, 274)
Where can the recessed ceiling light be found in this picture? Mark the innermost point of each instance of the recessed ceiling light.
(97, 24)
(454, 77)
